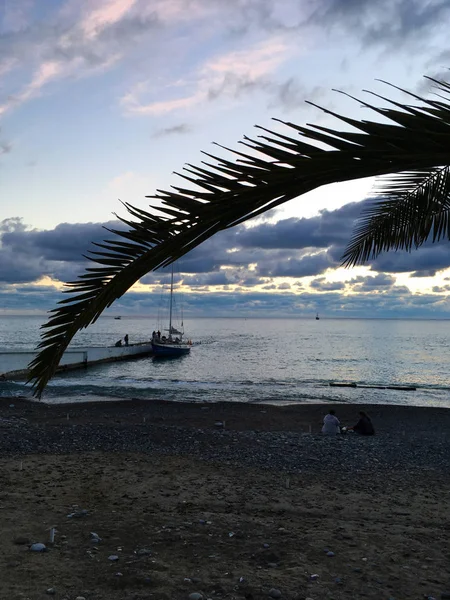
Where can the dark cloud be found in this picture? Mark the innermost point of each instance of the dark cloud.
(12, 224)
(296, 267)
(249, 304)
(19, 268)
(67, 242)
(62, 41)
(321, 284)
(237, 259)
(5, 147)
(371, 283)
(265, 15)
(180, 129)
(207, 279)
(385, 21)
(425, 262)
(28, 255)
(288, 95)
(329, 228)
(424, 273)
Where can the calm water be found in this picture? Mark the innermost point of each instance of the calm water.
(259, 360)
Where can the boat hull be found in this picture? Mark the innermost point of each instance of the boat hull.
(168, 349)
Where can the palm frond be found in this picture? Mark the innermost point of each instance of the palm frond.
(414, 207)
(222, 193)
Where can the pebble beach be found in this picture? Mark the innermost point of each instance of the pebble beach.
(222, 500)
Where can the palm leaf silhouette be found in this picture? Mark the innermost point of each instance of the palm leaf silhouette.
(413, 143)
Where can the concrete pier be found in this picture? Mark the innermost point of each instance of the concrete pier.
(14, 364)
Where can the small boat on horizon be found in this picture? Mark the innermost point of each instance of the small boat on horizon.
(117, 318)
(317, 317)
(171, 345)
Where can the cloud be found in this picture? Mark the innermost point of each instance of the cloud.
(180, 129)
(5, 147)
(16, 14)
(61, 47)
(372, 283)
(321, 284)
(28, 255)
(305, 266)
(86, 37)
(226, 76)
(393, 22)
(268, 257)
(425, 262)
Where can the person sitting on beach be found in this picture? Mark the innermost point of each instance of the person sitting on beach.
(364, 425)
(331, 425)
(118, 343)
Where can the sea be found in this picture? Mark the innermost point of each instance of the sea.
(276, 361)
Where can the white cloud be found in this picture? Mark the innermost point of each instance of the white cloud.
(225, 75)
(64, 51)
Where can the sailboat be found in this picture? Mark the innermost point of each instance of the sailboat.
(172, 344)
(317, 316)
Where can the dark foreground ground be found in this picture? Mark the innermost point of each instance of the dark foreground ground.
(241, 510)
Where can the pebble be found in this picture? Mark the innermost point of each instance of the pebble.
(22, 540)
(38, 547)
(195, 596)
(274, 593)
(113, 557)
(314, 576)
(78, 514)
(143, 552)
(429, 450)
(266, 546)
(80, 598)
(50, 591)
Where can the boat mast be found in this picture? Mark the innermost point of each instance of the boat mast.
(170, 309)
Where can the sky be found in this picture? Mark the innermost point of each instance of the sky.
(103, 101)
